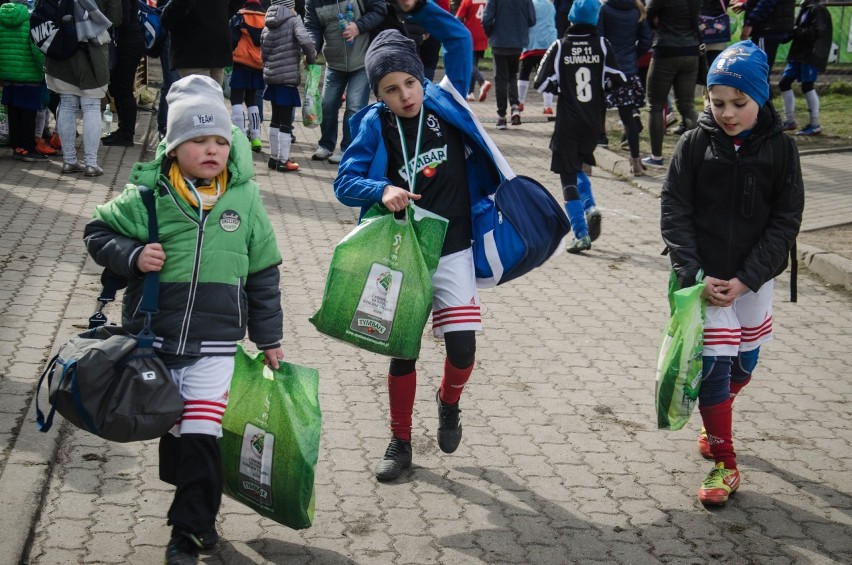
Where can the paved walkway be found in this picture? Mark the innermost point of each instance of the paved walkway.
(561, 460)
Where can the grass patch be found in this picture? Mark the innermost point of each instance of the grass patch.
(835, 118)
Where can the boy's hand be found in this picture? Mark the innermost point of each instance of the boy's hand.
(406, 5)
(151, 258)
(722, 293)
(396, 199)
(272, 356)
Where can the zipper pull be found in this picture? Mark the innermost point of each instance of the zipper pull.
(499, 217)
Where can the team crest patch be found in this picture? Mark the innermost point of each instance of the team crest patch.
(229, 221)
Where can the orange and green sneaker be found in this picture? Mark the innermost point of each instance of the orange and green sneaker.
(704, 445)
(718, 485)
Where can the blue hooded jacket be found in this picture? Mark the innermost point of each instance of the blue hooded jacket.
(362, 175)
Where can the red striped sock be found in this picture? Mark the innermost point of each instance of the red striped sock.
(717, 421)
(453, 382)
(401, 391)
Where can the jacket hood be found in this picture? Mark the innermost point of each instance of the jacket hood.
(13, 15)
(240, 163)
(276, 15)
(621, 4)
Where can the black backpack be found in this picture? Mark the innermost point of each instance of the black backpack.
(52, 29)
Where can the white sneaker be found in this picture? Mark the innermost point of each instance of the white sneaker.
(321, 154)
(471, 97)
(336, 157)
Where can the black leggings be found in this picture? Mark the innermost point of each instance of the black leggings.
(22, 123)
(529, 66)
(787, 84)
(238, 95)
(631, 128)
(282, 119)
(461, 351)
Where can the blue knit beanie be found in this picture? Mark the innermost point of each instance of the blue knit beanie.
(742, 66)
(585, 12)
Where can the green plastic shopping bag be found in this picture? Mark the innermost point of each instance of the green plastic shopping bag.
(270, 439)
(679, 363)
(312, 105)
(378, 293)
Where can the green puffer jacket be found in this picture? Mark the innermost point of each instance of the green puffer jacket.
(221, 273)
(20, 60)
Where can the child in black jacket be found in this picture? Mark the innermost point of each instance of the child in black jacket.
(731, 209)
(807, 58)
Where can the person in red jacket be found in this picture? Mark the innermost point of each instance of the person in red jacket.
(470, 14)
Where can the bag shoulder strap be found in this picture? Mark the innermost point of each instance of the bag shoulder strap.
(151, 285)
(113, 283)
(43, 424)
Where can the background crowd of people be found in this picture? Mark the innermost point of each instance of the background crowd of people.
(662, 46)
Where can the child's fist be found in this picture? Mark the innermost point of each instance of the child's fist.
(151, 258)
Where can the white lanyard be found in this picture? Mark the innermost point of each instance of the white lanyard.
(412, 175)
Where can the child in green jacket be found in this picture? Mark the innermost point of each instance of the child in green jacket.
(219, 275)
(21, 72)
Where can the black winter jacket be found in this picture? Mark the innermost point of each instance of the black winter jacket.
(200, 34)
(732, 213)
(812, 36)
(770, 18)
(675, 24)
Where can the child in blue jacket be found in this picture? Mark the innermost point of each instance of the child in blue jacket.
(456, 165)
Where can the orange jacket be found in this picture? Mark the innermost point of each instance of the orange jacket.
(247, 51)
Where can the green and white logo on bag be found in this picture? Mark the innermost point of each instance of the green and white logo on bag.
(377, 305)
(255, 478)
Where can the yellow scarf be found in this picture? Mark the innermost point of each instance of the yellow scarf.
(209, 194)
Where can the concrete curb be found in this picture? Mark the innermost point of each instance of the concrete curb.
(832, 268)
(28, 470)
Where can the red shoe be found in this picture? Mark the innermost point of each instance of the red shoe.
(21, 154)
(719, 485)
(520, 106)
(55, 142)
(44, 147)
(287, 166)
(704, 445)
(548, 111)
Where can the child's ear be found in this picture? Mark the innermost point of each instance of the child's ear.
(171, 154)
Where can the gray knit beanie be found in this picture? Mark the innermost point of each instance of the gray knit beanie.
(390, 52)
(196, 109)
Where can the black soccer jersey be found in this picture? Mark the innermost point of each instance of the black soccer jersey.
(440, 169)
(577, 68)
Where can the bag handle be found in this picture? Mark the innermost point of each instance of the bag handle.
(44, 424)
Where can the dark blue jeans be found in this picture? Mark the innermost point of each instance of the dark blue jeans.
(718, 373)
